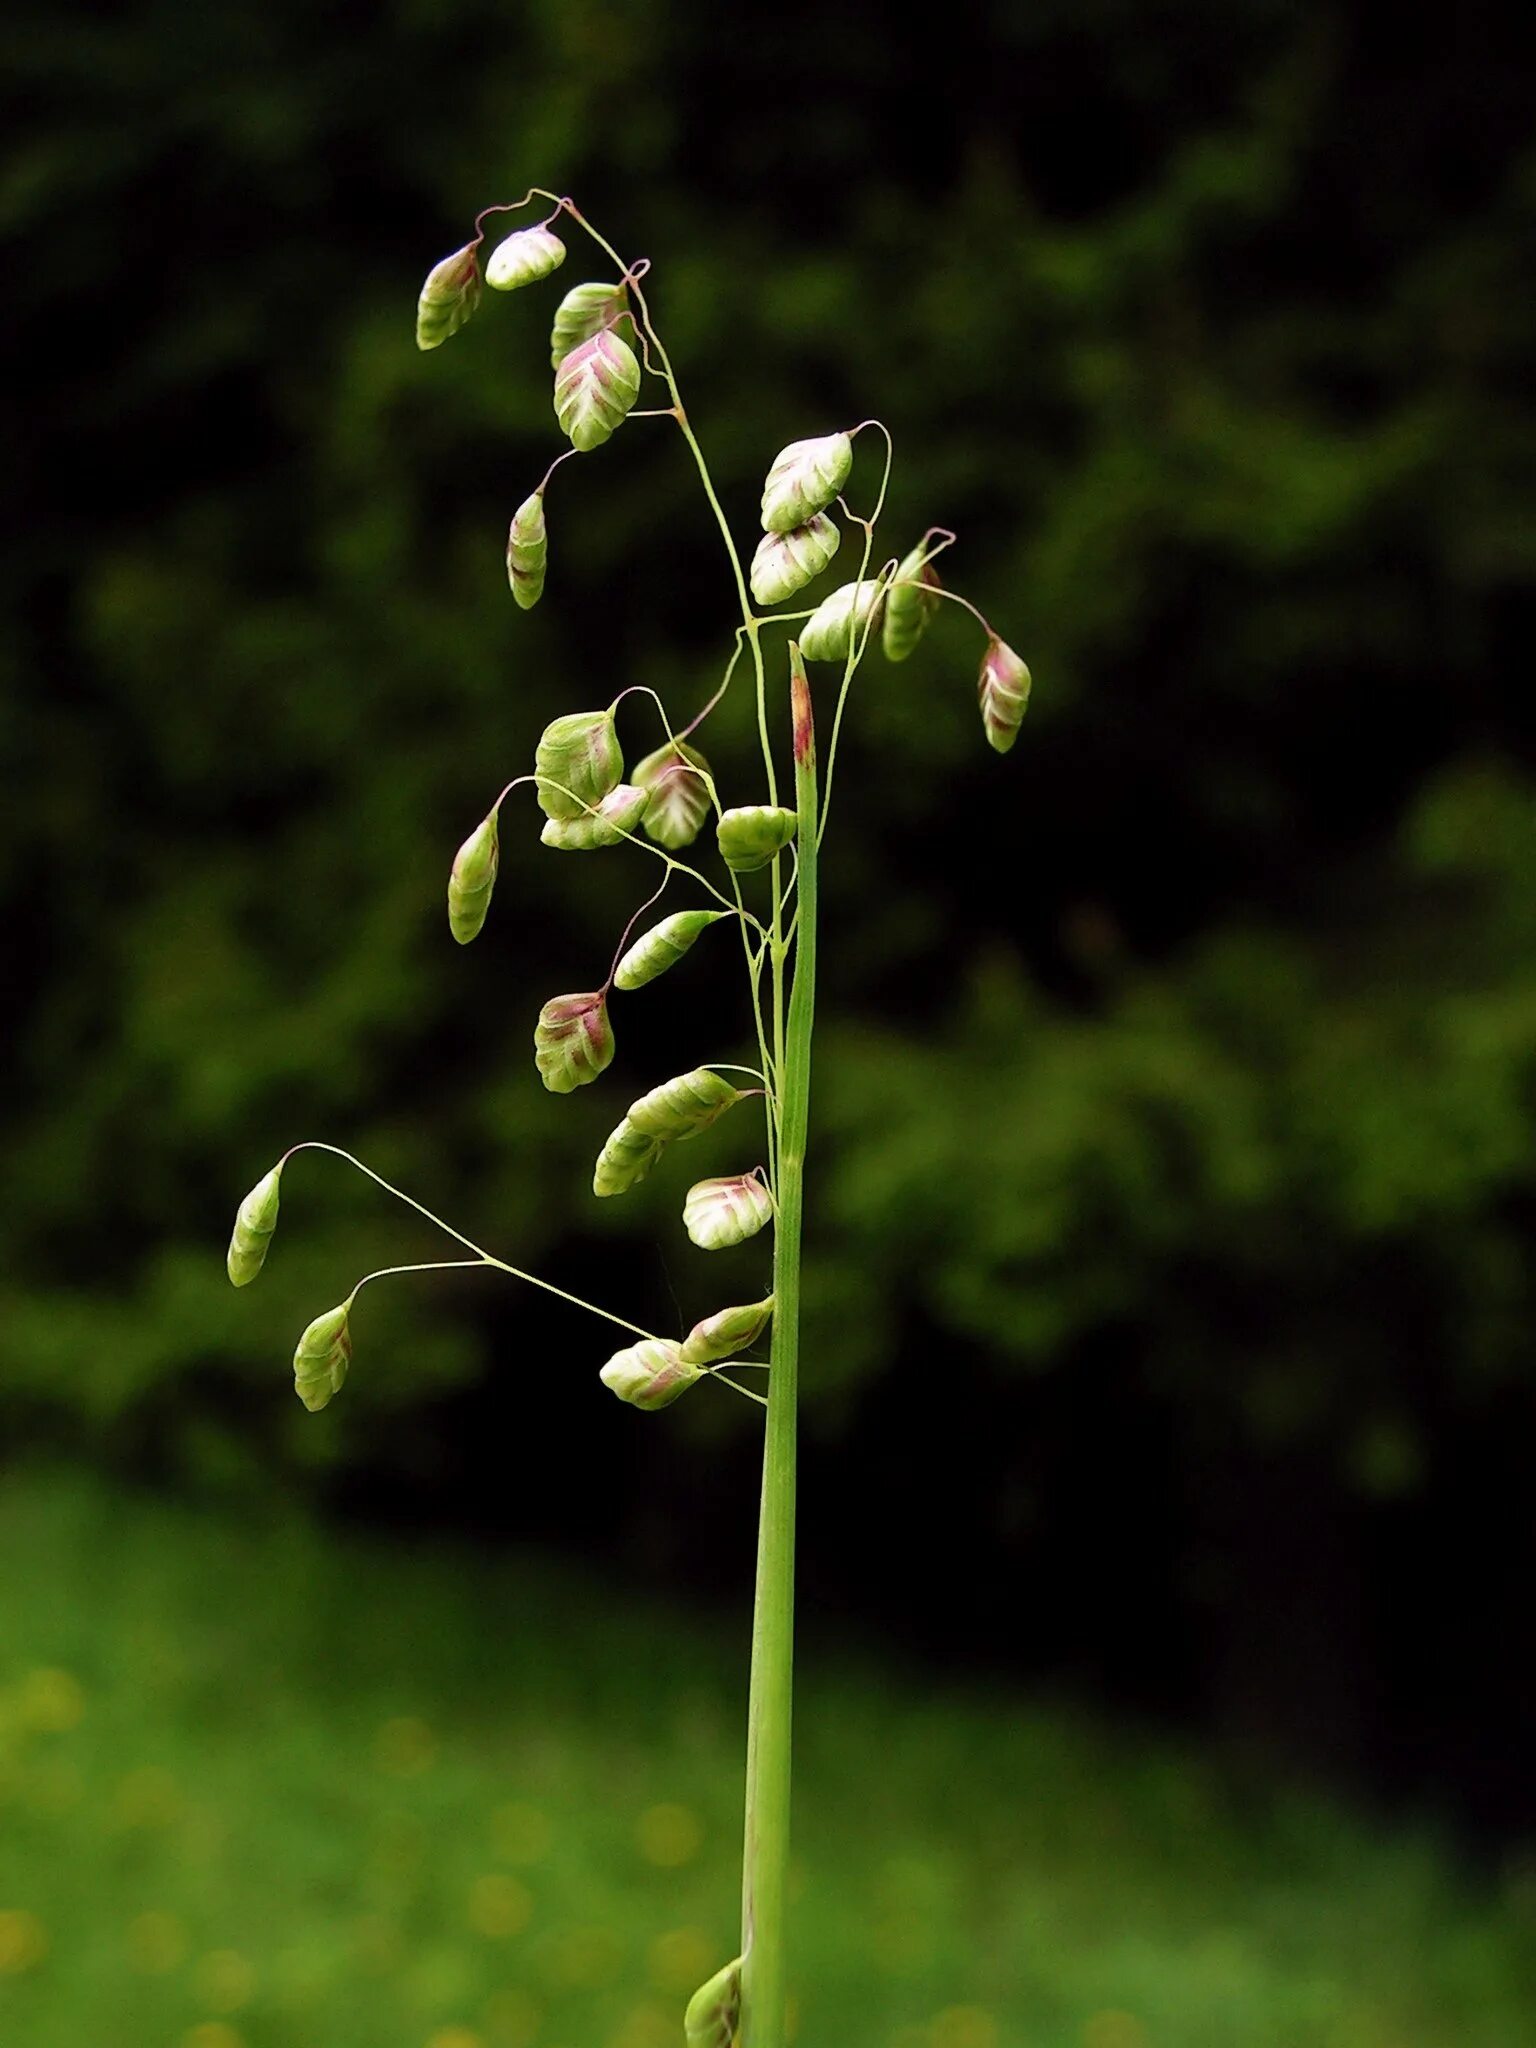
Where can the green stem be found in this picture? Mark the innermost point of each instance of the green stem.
(765, 1869)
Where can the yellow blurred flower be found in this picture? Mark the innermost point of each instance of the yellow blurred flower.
(680, 1960)
(511, 2019)
(499, 1906)
(404, 1747)
(520, 1833)
(147, 1798)
(224, 1980)
(647, 2026)
(157, 1942)
(964, 2026)
(50, 1701)
(1114, 2029)
(23, 1942)
(669, 1835)
(455, 2037)
(211, 2034)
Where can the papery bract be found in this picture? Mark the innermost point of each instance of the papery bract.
(449, 296)
(255, 1221)
(717, 1213)
(595, 387)
(523, 258)
(1003, 690)
(322, 1357)
(676, 776)
(572, 1041)
(804, 477)
(786, 562)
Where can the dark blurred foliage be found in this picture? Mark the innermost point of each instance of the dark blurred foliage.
(1176, 1167)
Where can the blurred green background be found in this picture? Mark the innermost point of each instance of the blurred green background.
(1167, 1532)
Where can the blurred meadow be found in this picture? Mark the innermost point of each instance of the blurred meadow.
(1168, 1669)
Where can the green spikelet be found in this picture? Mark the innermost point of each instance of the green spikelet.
(595, 387)
(471, 880)
(320, 1362)
(717, 1213)
(677, 1109)
(832, 628)
(255, 1221)
(714, 2011)
(726, 1332)
(663, 946)
(449, 296)
(619, 812)
(805, 476)
(584, 311)
(572, 1041)
(528, 551)
(909, 606)
(750, 835)
(786, 562)
(581, 756)
(523, 258)
(679, 794)
(650, 1374)
(1003, 690)
(626, 1158)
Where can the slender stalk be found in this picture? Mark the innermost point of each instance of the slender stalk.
(765, 1868)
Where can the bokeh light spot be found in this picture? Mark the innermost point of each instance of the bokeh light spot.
(147, 1798)
(23, 1942)
(964, 2026)
(499, 1906)
(647, 2026)
(51, 1701)
(511, 2019)
(225, 1980)
(521, 1834)
(211, 2034)
(455, 2037)
(1114, 2029)
(681, 1960)
(157, 1942)
(669, 1835)
(404, 1747)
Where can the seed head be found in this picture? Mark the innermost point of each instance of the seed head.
(650, 1374)
(320, 1362)
(677, 1109)
(1003, 689)
(255, 1221)
(909, 606)
(838, 621)
(750, 835)
(714, 2011)
(450, 294)
(786, 562)
(626, 1158)
(717, 1213)
(663, 946)
(805, 476)
(675, 775)
(726, 1332)
(572, 1041)
(581, 754)
(595, 387)
(584, 311)
(619, 812)
(528, 551)
(471, 880)
(523, 258)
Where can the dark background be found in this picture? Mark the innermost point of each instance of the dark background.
(1173, 1183)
